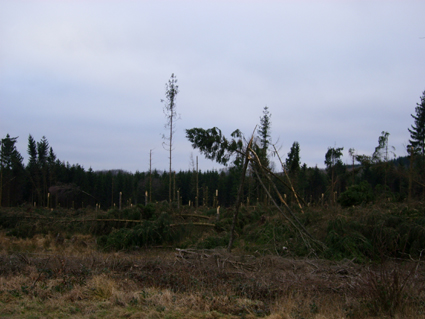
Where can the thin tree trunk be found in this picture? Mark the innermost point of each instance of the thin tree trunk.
(150, 176)
(197, 185)
(171, 146)
(239, 196)
(295, 222)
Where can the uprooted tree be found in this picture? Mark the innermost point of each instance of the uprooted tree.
(215, 146)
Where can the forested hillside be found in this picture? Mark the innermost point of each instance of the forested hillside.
(50, 182)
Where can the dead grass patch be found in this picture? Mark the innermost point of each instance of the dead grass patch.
(81, 282)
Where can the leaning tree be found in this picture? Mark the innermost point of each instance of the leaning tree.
(217, 147)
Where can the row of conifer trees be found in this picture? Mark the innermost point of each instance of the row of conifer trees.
(48, 182)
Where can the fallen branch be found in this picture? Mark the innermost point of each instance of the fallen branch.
(194, 224)
(193, 215)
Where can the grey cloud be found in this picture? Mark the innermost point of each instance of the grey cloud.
(90, 76)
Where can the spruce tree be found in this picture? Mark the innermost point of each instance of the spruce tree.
(171, 91)
(417, 132)
(32, 151)
(417, 135)
(43, 153)
(293, 161)
(11, 168)
(264, 136)
(33, 170)
(292, 164)
(51, 160)
(261, 149)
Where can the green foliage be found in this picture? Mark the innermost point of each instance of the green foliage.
(171, 91)
(383, 192)
(378, 232)
(417, 131)
(23, 231)
(213, 241)
(293, 161)
(345, 240)
(333, 157)
(381, 151)
(375, 236)
(150, 232)
(249, 216)
(265, 137)
(356, 195)
(9, 156)
(270, 232)
(213, 144)
(126, 213)
(148, 210)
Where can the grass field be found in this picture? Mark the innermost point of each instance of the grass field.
(47, 275)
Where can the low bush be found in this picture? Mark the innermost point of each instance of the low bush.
(345, 240)
(214, 241)
(150, 232)
(356, 195)
(375, 235)
(386, 291)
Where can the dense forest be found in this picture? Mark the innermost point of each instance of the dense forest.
(49, 182)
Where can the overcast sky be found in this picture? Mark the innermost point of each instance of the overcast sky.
(90, 75)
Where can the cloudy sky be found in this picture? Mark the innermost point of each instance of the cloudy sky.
(90, 75)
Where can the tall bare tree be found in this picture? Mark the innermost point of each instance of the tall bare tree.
(171, 91)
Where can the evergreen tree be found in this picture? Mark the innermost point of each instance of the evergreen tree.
(33, 170)
(261, 149)
(417, 141)
(32, 151)
(51, 161)
(332, 160)
(214, 145)
(293, 161)
(292, 165)
(264, 136)
(316, 184)
(417, 132)
(43, 152)
(171, 91)
(11, 168)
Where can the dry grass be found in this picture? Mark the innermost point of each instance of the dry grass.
(44, 277)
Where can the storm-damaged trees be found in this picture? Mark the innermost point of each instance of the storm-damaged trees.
(171, 91)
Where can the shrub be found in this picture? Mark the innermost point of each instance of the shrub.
(148, 211)
(214, 241)
(356, 195)
(150, 232)
(384, 193)
(346, 240)
(129, 213)
(384, 291)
